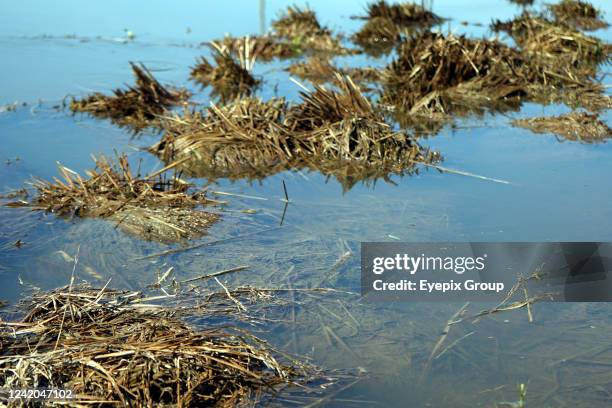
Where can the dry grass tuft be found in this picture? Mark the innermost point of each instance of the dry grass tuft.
(388, 24)
(111, 348)
(379, 36)
(328, 126)
(578, 14)
(150, 207)
(436, 75)
(297, 22)
(229, 79)
(554, 43)
(404, 14)
(563, 62)
(138, 107)
(305, 34)
(579, 126)
(320, 70)
(265, 48)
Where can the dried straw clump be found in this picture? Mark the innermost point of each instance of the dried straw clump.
(378, 36)
(223, 137)
(578, 14)
(229, 78)
(563, 62)
(112, 349)
(319, 70)
(404, 14)
(151, 207)
(297, 22)
(590, 96)
(554, 43)
(266, 48)
(388, 24)
(302, 29)
(139, 106)
(436, 75)
(579, 126)
(251, 136)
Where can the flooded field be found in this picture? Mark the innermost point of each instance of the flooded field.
(298, 226)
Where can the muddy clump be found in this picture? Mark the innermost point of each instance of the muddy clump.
(328, 127)
(110, 347)
(580, 126)
(578, 14)
(151, 207)
(228, 78)
(138, 106)
(387, 24)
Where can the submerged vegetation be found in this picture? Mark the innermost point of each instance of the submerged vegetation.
(151, 207)
(137, 106)
(115, 347)
(579, 126)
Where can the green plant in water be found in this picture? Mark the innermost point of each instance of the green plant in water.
(522, 388)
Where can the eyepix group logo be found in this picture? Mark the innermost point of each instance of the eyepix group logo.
(413, 264)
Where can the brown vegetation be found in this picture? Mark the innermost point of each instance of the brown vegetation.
(138, 106)
(578, 14)
(265, 47)
(302, 29)
(229, 79)
(387, 24)
(435, 76)
(114, 348)
(327, 126)
(319, 70)
(579, 126)
(540, 38)
(150, 207)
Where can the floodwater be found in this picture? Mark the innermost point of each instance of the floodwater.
(559, 191)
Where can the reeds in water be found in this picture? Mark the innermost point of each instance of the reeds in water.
(387, 24)
(319, 70)
(578, 14)
(138, 106)
(580, 126)
(302, 29)
(437, 75)
(112, 349)
(327, 126)
(151, 207)
(229, 78)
